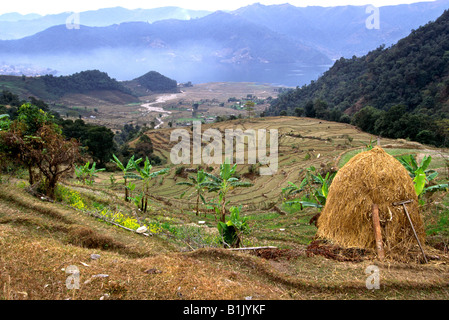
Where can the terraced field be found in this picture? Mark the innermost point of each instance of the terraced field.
(180, 257)
(303, 143)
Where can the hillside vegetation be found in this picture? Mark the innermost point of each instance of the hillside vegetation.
(88, 85)
(181, 258)
(52, 88)
(396, 92)
(82, 82)
(152, 82)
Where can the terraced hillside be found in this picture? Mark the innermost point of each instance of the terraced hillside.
(179, 257)
(303, 142)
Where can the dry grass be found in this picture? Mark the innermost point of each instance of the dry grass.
(40, 240)
(37, 246)
(34, 268)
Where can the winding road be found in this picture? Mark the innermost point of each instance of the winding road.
(162, 99)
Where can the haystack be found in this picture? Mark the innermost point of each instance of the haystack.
(371, 177)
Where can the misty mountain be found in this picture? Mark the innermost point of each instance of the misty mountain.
(341, 31)
(16, 26)
(217, 47)
(14, 16)
(239, 40)
(278, 44)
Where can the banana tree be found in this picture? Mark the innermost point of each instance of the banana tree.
(232, 231)
(198, 184)
(314, 187)
(222, 184)
(421, 175)
(145, 175)
(125, 169)
(86, 174)
(136, 199)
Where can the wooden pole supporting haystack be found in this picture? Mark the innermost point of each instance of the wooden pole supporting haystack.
(378, 233)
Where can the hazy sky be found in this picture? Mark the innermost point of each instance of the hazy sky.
(47, 7)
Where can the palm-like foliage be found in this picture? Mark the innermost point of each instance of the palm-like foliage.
(86, 174)
(126, 169)
(222, 184)
(314, 188)
(145, 175)
(232, 231)
(420, 174)
(198, 184)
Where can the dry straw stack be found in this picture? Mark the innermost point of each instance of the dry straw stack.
(371, 177)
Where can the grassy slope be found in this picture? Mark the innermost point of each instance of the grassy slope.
(39, 239)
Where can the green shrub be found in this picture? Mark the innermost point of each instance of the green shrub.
(232, 231)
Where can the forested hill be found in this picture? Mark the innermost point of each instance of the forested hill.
(82, 82)
(399, 92)
(51, 88)
(151, 82)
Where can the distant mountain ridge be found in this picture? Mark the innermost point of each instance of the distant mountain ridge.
(14, 16)
(16, 26)
(341, 31)
(277, 44)
(220, 27)
(217, 46)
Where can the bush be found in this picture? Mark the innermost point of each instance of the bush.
(232, 231)
(179, 170)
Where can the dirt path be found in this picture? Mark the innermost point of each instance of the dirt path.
(162, 99)
(150, 107)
